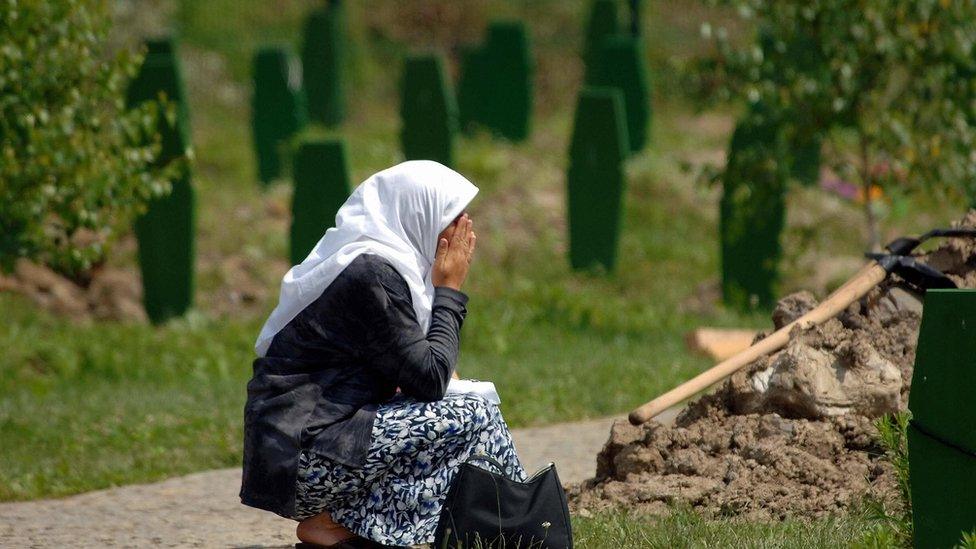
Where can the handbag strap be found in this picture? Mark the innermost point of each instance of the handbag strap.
(487, 458)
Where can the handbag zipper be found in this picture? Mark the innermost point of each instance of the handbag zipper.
(540, 471)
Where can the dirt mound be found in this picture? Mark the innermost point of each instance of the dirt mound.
(757, 466)
(791, 434)
(858, 363)
(111, 294)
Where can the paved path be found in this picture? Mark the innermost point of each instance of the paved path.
(202, 509)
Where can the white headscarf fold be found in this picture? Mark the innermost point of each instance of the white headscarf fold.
(396, 214)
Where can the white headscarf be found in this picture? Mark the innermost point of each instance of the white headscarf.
(396, 214)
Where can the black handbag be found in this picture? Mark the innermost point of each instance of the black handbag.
(487, 510)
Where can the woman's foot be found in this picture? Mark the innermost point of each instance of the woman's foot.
(322, 530)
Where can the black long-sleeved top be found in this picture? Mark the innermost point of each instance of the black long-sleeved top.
(319, 383)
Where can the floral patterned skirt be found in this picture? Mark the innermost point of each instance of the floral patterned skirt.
(395, 498)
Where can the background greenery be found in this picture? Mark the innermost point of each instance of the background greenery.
(72, 172)
(88, 405)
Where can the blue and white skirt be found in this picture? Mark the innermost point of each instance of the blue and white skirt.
(395, 498)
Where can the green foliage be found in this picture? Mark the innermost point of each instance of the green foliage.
(968, 540)
(752, 211)
(166, 231)
(893, 434)
(125, 403)
(323, 56)
(321, 186)
(71, 176)
(620, 64)
(495, 89)
(278, 108)
(893, 526)
(893, 76)
(428, 111)
(596, 178)
(114, 402)
(685, 528)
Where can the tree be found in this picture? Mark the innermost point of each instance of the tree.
(71, 173)
(890, 83)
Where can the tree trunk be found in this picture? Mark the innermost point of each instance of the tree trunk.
(874, 237)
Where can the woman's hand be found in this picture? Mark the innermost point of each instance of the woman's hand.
(455, 248)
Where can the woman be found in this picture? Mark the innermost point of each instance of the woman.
(347, 426)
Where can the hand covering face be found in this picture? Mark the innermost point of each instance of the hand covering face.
(397, 214)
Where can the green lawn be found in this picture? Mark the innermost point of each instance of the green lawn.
(685, 529)
(90, 405)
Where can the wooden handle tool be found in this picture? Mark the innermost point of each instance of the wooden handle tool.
(867, 278)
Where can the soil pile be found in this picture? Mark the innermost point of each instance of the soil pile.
(110, 293)
(791, 434)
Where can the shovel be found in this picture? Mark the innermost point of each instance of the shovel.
(897, 260)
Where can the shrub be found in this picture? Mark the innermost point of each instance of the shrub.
(71, 173)
(894, 525)
(890, 81)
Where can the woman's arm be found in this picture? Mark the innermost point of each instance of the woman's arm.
(421, 365)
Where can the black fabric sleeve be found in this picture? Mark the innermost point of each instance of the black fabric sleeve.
(421, 365)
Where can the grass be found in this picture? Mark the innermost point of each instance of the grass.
(91, 405)
(685, 529)
(88, 406)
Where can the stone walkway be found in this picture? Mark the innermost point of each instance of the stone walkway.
(203, 510)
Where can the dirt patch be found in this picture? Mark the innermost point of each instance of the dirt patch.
(792, 434)
(758, 466)
(110, 294)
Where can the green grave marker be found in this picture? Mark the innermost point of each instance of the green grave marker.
(752, 211)
(321, 186)
(427, 110)
(472, 83)
(806, 159)
(596, 179)
(620, 64)
(323, 55)
(495, 90)
(277, 109)
(942, 434)
(166, 232)
(635, 17)
(509, 110)
(803, 53)
(602, 23)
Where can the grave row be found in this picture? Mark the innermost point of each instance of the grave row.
(941, 444)
(494, 94)
(611, 122)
